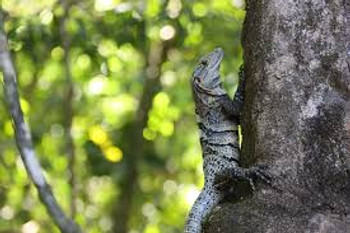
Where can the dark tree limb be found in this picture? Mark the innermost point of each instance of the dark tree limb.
(155, 53)
(24, 141)
(156, 57)
(68, 105)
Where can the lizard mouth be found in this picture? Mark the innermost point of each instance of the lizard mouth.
(213, 76)
(206, 76)
(216, 57)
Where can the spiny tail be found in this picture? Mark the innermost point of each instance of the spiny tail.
(201, 209)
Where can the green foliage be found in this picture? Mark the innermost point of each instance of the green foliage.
(109, 45)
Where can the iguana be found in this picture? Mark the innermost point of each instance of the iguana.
(217, 119)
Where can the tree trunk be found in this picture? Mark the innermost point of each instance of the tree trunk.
(296, 118)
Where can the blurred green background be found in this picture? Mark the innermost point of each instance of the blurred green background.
(116, 75)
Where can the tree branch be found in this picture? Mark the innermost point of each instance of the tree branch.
(24, 141)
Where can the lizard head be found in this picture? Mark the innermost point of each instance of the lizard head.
(206, 76)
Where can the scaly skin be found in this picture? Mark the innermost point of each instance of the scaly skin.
(217, 118)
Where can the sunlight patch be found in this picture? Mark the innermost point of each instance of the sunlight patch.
(191, 194)
(113, 154)
(30, 227)
(97, 85)
(98, 135)
(167, 32)
(105, 5)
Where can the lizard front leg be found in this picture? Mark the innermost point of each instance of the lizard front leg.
(233, 107)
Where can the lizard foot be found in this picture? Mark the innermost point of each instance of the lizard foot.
(251, 174)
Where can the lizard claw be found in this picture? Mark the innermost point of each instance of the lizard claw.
(259, 172)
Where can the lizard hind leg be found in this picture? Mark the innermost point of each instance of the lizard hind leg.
(237, 173)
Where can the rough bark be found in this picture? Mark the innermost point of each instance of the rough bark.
(296, 118)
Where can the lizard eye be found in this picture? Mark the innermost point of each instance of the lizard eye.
(197, 79)
(204, 62)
